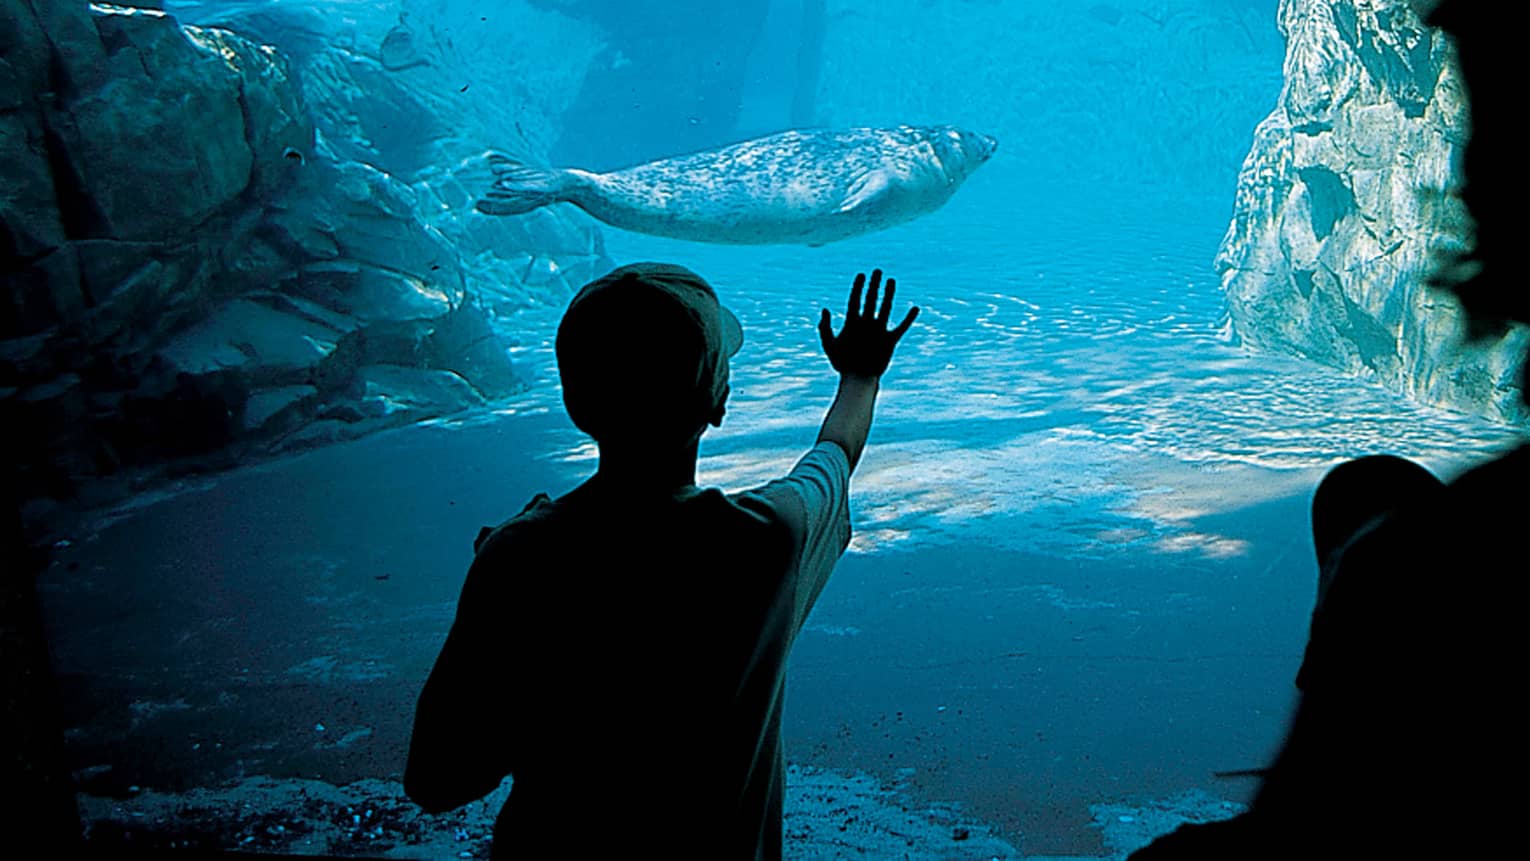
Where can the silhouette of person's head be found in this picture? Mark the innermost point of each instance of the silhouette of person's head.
(1488, 39)
(1358, 491)
(643, 355)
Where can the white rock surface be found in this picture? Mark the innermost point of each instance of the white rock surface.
(1343, 204)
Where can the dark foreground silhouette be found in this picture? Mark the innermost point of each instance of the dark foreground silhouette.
(1408, 740)
(621, 649)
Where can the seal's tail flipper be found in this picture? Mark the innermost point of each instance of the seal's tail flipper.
(521, 188)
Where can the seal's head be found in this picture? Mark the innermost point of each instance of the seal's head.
(960, 151)
(643, 355)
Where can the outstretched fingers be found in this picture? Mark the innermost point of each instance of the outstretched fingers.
(871, 294)
(887, 301)
(908, 320)
(855, 296)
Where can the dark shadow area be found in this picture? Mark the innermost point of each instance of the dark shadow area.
(1413, 667)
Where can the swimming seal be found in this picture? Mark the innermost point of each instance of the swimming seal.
(805, 187)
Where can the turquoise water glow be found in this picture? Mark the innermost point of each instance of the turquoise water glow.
(1081, 572)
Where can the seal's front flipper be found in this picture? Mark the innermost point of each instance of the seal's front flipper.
(519, 187)
(868, 189)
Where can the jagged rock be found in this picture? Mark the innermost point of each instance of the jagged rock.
(107, 264)
(43, 294)
(314, 434)
(270, 347)
(368, 116)
(391, 388)
(155, 296)
(161, 144)
(398, 50)
(174, 126)
(382, 294)
(460, 341)
(127, 169)
(1342, 209)
(464, 343)
(385, 396)
(12, 96)
(24, 52)
(274, 411)
(290, 303)
(29, 217)
(194, 266)
(1318, 78)
(73, 38)
(280, 130)
(23, 360)
(517, 262)
(356, 212)
(424, 128)
(179, 414)
(372, 258)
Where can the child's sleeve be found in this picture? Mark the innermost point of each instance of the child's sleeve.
(462, 745)
(814, 500)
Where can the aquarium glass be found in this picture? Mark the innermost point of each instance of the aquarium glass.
(304, 351)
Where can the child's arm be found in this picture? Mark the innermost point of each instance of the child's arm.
(861, 353)
(849, 419)
(456, 750)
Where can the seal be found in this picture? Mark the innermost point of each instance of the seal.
(805, 187)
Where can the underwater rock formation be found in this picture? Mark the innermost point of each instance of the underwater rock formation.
(198, 266)
(1343, 206)
(472, 79)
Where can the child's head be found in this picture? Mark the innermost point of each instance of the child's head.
(1357, 492)
(643, 354)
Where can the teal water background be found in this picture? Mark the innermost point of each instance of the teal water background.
(1081, 571)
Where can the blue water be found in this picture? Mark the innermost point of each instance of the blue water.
(1081, 569)
(1080, 572)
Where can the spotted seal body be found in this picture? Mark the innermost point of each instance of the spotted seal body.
(808, 187)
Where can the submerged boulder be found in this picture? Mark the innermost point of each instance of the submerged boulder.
(135, 148)
(1343, 210)
(278, 128)
(403, 90)
(29, 212)
(161, 144)
(221, 242)
(270, 347)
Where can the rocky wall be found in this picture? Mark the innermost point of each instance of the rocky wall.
(220, 243)
(1342, 209)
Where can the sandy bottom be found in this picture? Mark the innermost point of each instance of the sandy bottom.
(828, 815)
(1079, 587)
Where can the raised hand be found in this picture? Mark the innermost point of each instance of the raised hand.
(864, 346)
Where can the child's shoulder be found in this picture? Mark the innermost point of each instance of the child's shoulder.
(538, 508)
